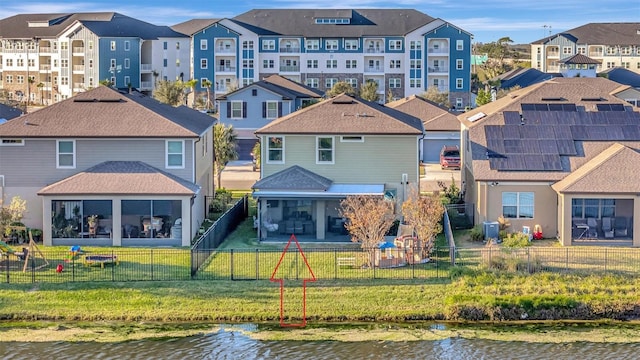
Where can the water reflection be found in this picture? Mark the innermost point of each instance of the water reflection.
(235, 345)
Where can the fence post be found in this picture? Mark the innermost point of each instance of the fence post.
(528, 261)
(297, 268)
(151, 264)
(73, 268)
(335, 264)
(231, 264)
(437, 270)
(113, 267)
(372, 259)
(605, 259)
(257, 264)
(452, 255)
(566, 265)
(7, 262)
(413, 268)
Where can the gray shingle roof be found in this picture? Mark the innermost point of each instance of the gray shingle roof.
(364, 22)
(344, 114)
(104, 112)
(579, 59)
(294, 178)
(602, 34)
(122, 177)
(282, 86)
(192, 26)
(124, 26)
(433, 116)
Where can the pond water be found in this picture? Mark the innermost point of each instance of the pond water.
(235, 345)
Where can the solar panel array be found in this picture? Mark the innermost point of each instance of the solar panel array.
(538, 138)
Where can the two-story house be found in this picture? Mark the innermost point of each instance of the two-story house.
(254, 106)
(402, 50)
(140, 168)
(313, 158)
(612, 44)
(562, 154)
(49, 57)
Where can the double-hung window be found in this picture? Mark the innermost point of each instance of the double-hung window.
(324, 150)
(236, 110)
(204, 44)
(203, 63)
(312, 44)
(175, 154)
(271, 109)
(518, 205)
(331, 44)
(275, 150)
(66, 154)
(268, 44)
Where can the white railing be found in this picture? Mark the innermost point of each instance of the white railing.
(221, 50)
(145, 67)
(374, 50)
(289, 68)
(45, 67)
(438, 50)
(45, 49)
(146, 85)
(78, 49)
(438, 69)
(226, 69)
(78, 67)
(374, 69)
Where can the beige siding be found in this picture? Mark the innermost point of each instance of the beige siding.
(204, 164)
(379, 159)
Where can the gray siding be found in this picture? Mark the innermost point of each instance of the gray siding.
(379, 159)
(253, 119)
(34, 164)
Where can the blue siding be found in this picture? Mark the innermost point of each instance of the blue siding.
(133, 54)
(454, 34)
(211, 34)
(388, 40)
(254, 119)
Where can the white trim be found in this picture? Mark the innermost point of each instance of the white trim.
(241, 106)
(58, 166)
(352, 138)
(280, 149)
(266, 111)
(166, 156)
(333, 150)
(11, 143)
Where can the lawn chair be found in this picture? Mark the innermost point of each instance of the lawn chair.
(620, 226)
(592, 232)
(607, 228)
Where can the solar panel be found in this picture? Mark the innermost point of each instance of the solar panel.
(552, 162)
(530, 146)
(495, 145)
(512, 146)
(563, 132)
(579, 132)
(610, 107)
(527, 107)
(566, 147)
(511, 132)
(541, 107)
(631, 132)
(528, 131)
(548, 146)
(493, 132)
(569, 107)
(555, 107)
(511, 118)
(546, 132)
(614, 133)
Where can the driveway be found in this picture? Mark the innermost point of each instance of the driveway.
(433, 174)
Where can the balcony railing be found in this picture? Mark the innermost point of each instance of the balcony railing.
(444, 50)
(146, 85)
(78, 49)
(373, 69)
(78, 85)
(45, 49)
(145, 67)
(438, 69)
(78, 67)
(374, 50)
(596, 53)
(290, 68)
(222, 89)
(45, 67)
(226, 69)
(222, 50)
(289, 49)
(553, 53)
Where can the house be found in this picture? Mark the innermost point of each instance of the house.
(441, 127)
(8, 112)
(622, 76)
(254, 106)
(144, 168)
(560, 154)
(403, 50)
(68, 53)
(315, 157)
(613, 44)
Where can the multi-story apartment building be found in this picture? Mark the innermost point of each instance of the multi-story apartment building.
(50, 57)
(404, 51)
(613, 44)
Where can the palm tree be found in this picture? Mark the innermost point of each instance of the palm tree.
(207, 84)
(225, 143)
(169, 92)
(191, 84)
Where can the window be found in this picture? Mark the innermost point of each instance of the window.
(237, 109)
(332, 64)
(267, 64)
(127, 63)
(351, 138)
(612, 50)
(127, 45)
(329, 82)
(312, 64)
(64, 80)
(127, 80)
(459, 45)
(275, 150)
(271, 109)
(247, 64)
(112, 64)
(581, 50)
(567, 50)
(20, 62)
(65, 63)
(415, 45)
(9, 62)
(20, 79)
(324, 150)
(395, 45)
(610, 64)
(203, 63)
(11, 142)
(458, 103)
(175, 154)
(351, 44)
(164, 62)
(593, 208)
(394, 64)
(204, 44)
(31, 63)
(459, 64)
(9, 79)
(177, 46)
(268, 44)
(312, 82)
(113, 45)
(352, 64)
(66, 154)
(415, 64)
(65, 45)
(625, 64)
(331, 44)
(625, 50)
(517, 205)
(352, 81)
(312, 44)
(394, 83)
(459, 83)
(247, 45)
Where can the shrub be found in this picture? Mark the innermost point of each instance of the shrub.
(516, 240)
(502, 234)
(220, 201)
(476, 233)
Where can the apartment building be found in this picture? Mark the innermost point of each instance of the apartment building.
(49, 57)
(403, 51)
(613, 44)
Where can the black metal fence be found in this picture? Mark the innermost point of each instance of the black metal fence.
(215, 235)
(461, 216)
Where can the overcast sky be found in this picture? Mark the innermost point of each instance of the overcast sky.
(487, 20)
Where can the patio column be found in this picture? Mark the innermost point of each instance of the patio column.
(636, 210)
(321, 219)
(116, 231)
(565, 224)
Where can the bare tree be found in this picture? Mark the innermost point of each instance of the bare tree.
(368, 220)
(424, 213)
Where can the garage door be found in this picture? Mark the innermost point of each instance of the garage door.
(244, 148)
(432, 147)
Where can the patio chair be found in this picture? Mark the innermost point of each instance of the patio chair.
(297, 227)
(289, 227)
(592, 232)
(620, 226)
(607, 228)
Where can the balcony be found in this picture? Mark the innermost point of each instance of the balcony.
(225, 50)
(289, 49)
(373, 69)
(438, 69)
(438, 50)
(45, 49)
(227, 69)
(78, 68)
(553, 54)
(45, 67)
(290, 68)
(374, 50)
(145, 67)
(78, 50)
(146, 85)
(78, 86)
(221, 89)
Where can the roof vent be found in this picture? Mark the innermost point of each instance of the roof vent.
(592, 99)
(477, 116)
(553, 99)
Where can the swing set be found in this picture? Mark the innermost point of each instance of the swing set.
(30, 252)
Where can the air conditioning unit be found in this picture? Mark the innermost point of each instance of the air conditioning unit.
(491, 230)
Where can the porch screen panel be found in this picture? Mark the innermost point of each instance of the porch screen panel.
(577, 206)
(591, 208)
(608, 207)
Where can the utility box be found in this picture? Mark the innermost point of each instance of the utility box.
(491, 230)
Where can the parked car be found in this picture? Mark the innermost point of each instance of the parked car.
(450, 157)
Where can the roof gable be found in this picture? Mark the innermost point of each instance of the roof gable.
(105, 112)
(294, 178)
(434, 117)
(344, 114)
